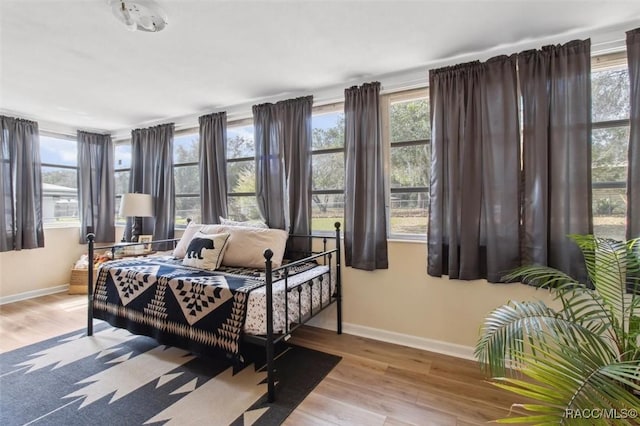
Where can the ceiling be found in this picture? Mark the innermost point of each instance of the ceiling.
(71, 64)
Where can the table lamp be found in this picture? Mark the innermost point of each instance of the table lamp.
(135, 205)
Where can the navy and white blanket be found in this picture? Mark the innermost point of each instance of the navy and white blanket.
(199, 310)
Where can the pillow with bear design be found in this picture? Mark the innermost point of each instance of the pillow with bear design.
(189, 232)
(205, 251)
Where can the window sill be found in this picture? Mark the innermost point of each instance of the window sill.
(57, 225)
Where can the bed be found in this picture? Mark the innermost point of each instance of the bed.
(213, 296)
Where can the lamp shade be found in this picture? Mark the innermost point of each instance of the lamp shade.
(134, 204)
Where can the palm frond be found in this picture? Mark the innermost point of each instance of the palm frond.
(511, 328)
(584, 356)
(567, 380)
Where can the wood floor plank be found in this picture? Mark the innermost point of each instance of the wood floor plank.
(375, 383)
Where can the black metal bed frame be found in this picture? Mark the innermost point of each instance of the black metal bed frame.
(269, 340)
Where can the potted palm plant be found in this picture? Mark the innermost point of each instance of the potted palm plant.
(579, 364)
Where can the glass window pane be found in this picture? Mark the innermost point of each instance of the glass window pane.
(63, 152)
(609, 152)
(243, 208)
(67, 178)
(59, 196)
(122, 182)
(119, 219)
(241, 176)
(185, 148)
(326, 209)
(122, 156)
(609, 166)
(187, 179)
(240, 142)
(328, 131)
(328, 171)
(410, 166)
(609, 213)
(410, 120)
(409, 212)
(187, 208)
(610, 94)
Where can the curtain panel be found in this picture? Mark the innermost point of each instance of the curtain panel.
(213, 167)
(555, 83)
(96, 184)
(270, 180)
(295, 120)
(475, 167)
(21, 185)
(283, 167)
(365, 227)
(633, 179)
(152, 173)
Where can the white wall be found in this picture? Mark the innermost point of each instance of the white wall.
(405, 305)
(38, 270)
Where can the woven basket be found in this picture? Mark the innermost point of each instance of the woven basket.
(78, 281)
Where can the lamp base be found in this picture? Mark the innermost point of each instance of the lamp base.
(136, 227)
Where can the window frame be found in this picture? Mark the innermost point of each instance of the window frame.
(617, 60)
(386, 100)
(178, 166)
(52, 135)
(336, 107)
(244, 122)
(118, 221)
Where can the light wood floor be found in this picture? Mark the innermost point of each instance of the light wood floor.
(375, 383)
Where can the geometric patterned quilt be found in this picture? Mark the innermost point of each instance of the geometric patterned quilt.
(202, 311)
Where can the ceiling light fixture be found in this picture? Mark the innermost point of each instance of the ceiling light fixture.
(140, 15)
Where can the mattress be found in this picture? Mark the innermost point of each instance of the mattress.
(300, 288)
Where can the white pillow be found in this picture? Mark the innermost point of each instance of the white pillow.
(206, 251)
(246, 246)
(249, 223)
(181, 248)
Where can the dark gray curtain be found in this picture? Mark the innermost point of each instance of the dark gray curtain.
(365, 223)
(96, 187)
(556, 97)
(283, 166)
(475, 167)
(152, 173)
(633, 180)
(21, 185)
(295, 126)
(213, 167)
(270, 178)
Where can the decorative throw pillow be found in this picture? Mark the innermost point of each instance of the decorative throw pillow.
(246, 246)
(206, 251)
(181, 248)
(248, 223)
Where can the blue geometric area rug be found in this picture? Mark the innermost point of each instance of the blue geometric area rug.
(116, 378)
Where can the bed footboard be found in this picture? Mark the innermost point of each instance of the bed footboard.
(271, 338)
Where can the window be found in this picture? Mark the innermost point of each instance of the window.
(327, 159)
(59, 158)
(610, 141)
(186, 177)
(407, 127)
(241, 173)
(122, 167)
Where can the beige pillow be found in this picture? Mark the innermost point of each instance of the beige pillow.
(246, 246)
(206, 251)
(181, 248)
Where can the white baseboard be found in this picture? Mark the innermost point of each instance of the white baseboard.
(431, 345)
(34, 293)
